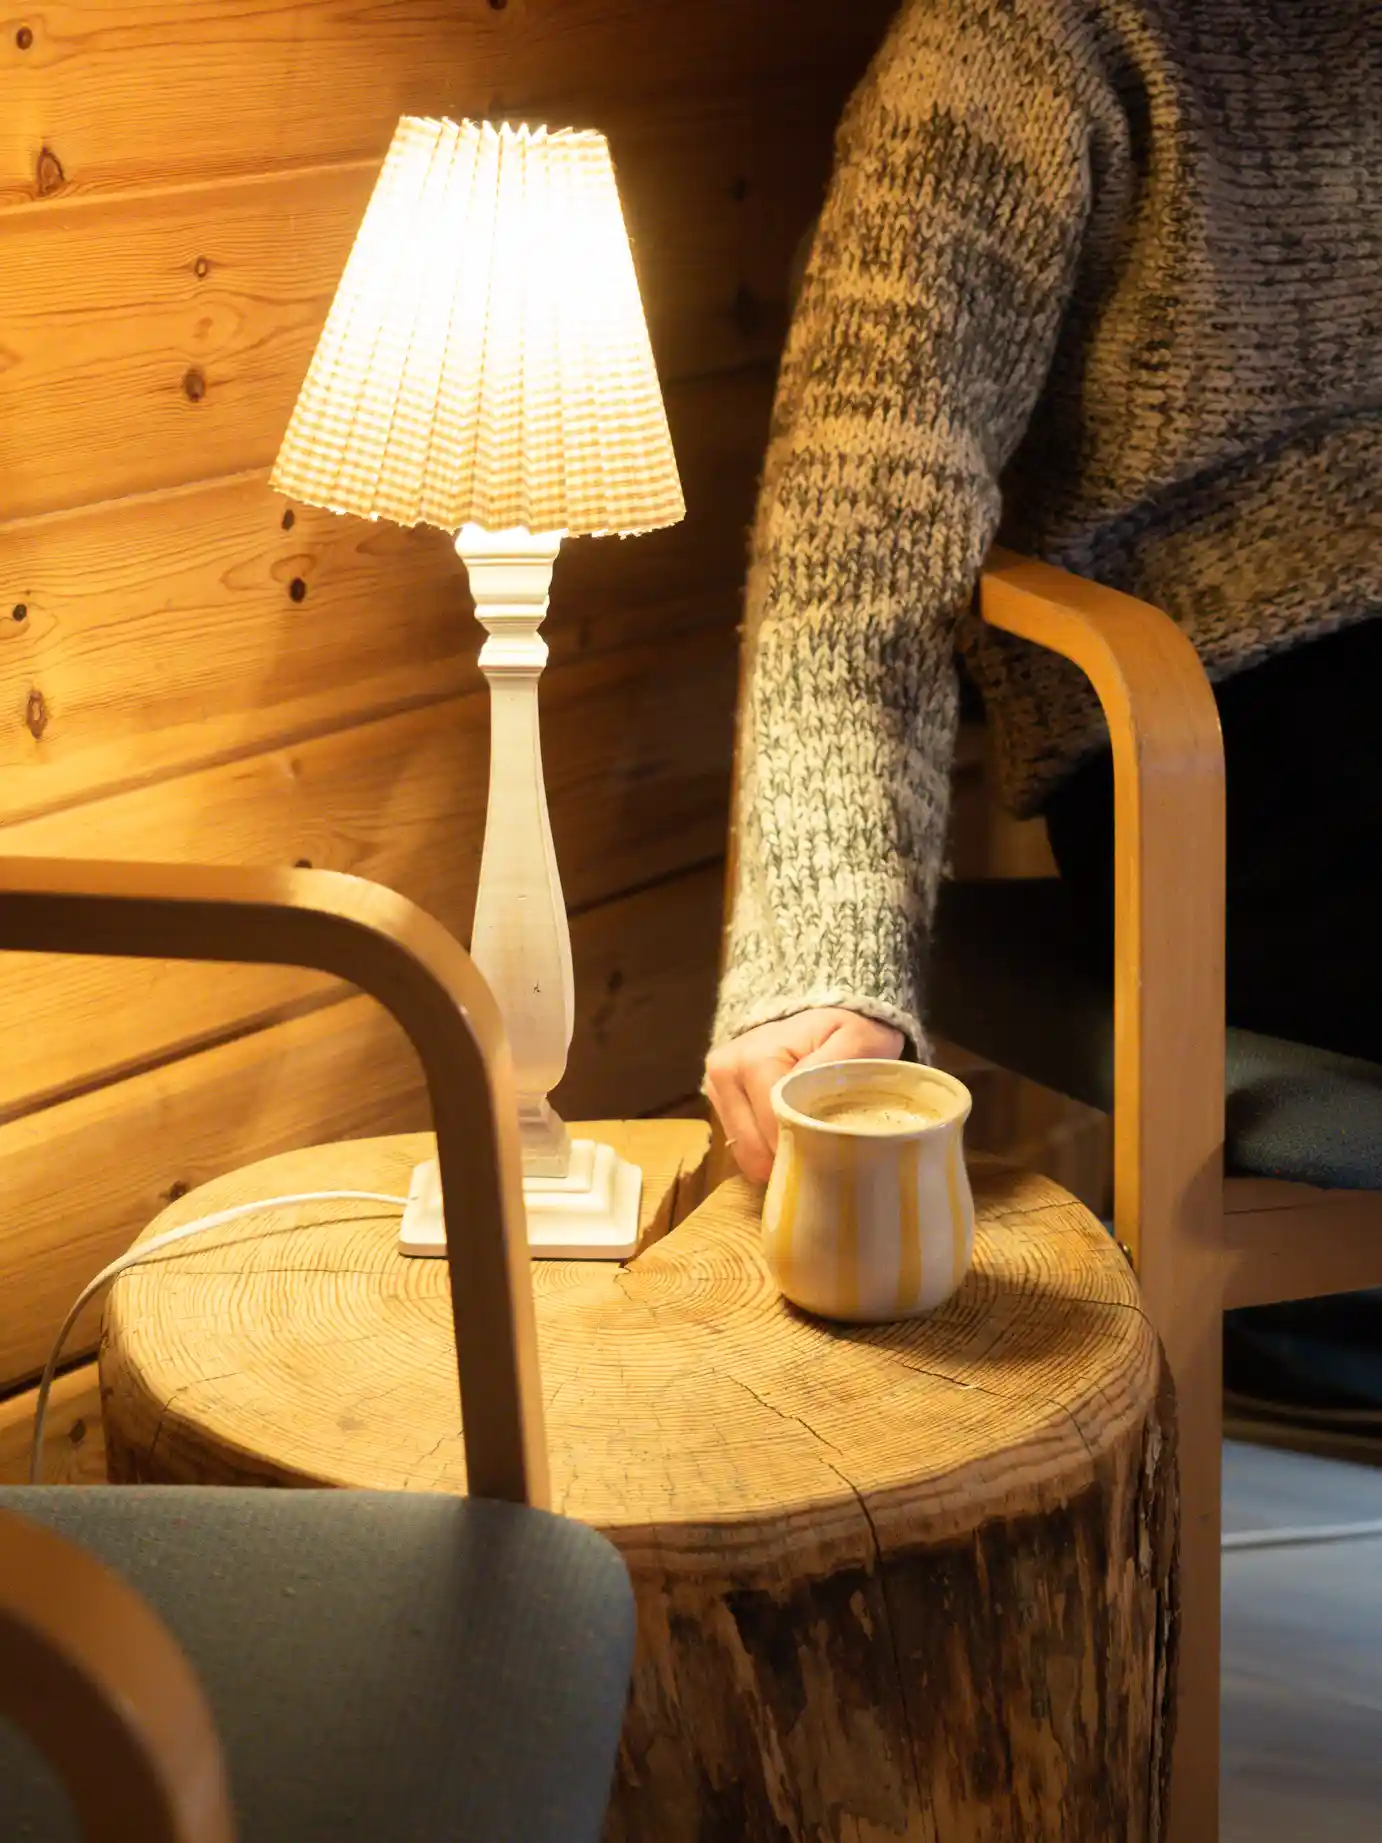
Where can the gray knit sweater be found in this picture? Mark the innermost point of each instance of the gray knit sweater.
(1102, 278)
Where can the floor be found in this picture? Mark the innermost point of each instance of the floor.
(1302, 1679)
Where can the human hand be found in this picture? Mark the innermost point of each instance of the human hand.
(742, 1073)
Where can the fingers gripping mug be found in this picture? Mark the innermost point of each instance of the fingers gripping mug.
(869, 1214)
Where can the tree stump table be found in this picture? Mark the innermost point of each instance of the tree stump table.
(911, 1581)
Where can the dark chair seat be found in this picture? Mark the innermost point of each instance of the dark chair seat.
(1010, 982)
(380, 1665)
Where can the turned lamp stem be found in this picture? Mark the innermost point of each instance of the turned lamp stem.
(485, 368)
(521, 940)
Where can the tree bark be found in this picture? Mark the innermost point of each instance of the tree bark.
(906, 1583)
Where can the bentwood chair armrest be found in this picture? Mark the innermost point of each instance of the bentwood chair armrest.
(400, 956)
(1169, 873)
(99, 1686)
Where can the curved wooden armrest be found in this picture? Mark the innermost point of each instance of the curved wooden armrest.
(1169, 872)
(390, 949)
(100, 1687)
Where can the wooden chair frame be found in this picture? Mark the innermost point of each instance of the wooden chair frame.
(91, 1674)
(1200, 1244)
(98, 1684)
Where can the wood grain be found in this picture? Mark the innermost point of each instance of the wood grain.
(376, 940)
(124, 92)
(74, 1450)
(162, 635)
(670, 1153)
(1168, 1121)
(162, 337)
(905, 1581)
(1291, 1241)
(637, 790)
(81, 1179)
(127, 368)
(645, 992)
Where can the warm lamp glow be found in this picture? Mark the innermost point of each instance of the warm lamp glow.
(485, 367)
(486, 360)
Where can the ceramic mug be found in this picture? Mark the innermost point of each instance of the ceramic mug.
(869, 1214)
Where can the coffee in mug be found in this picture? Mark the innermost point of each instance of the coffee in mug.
(868, 1214)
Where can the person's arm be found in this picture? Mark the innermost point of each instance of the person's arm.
(937, 282)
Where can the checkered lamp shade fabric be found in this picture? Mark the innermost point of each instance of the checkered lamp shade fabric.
(486, 359)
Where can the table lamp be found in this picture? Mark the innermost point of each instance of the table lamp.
(485, 368)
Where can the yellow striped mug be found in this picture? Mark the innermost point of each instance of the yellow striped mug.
(868, 1214)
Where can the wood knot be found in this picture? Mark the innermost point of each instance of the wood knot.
(201, 268)
(289, 519)
(50, 176)
(746, 311)
(607, 1009)
(20, 611)
(36, 714)
(24, 37)
(297, 589)
(77, 1432)
(194, 384)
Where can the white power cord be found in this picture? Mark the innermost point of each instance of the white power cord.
(141, 1252)
(1305, 1537)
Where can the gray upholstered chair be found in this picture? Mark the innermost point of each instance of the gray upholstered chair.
(184, 1665)
(1297, 1131)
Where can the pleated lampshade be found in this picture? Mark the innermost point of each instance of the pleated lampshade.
(486, 359)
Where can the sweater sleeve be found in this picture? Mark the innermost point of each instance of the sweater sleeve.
(937, 281)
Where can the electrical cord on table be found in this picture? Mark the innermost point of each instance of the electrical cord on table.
(1236, 1541)
(141, 1252)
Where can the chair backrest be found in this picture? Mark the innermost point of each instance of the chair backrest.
(90, 1673)
(390, 949)
(1163, 726)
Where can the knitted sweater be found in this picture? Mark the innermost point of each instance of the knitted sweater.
(1103, 279)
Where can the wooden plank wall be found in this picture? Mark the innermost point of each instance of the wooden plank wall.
(191, 669)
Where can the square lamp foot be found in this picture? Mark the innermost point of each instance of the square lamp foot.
(591, 1214)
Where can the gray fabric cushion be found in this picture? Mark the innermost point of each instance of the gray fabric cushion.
(381, 1665)
(1009, 981)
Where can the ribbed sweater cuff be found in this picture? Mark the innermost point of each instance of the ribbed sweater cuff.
(732, 1021)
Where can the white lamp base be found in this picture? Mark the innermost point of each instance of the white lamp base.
(591, 1214)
